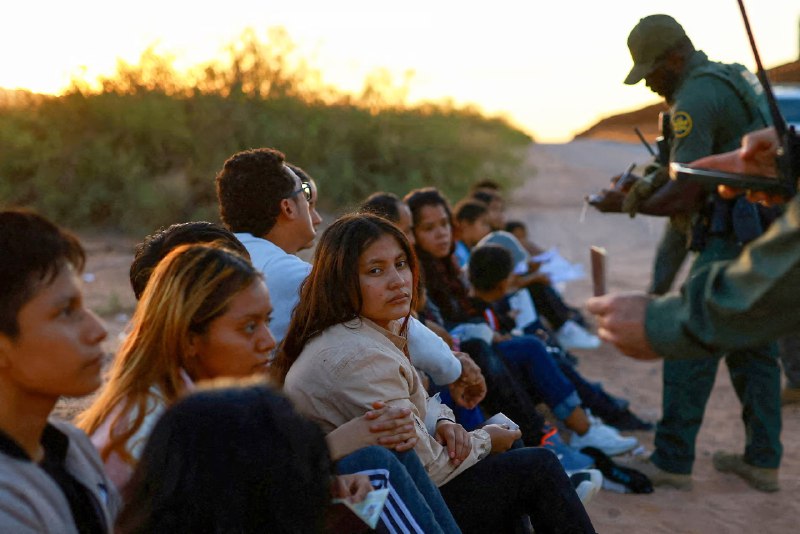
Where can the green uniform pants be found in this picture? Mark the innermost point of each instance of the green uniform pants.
(755, 375)
(670, 254)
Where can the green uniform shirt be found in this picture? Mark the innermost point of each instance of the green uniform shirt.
(712, 108)
(729, 305)
(714, 105)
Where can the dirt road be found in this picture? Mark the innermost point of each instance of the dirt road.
(551, 205)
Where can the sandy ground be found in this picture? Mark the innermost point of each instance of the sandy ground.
(551, 204)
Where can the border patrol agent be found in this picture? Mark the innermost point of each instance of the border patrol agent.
(712, 106)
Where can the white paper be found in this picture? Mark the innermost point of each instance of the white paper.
(369, 510)
(558, 268)
(522, 302)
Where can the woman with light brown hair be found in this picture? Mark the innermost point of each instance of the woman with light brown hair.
(203, 314)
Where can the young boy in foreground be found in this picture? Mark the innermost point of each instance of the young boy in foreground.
(51, 477)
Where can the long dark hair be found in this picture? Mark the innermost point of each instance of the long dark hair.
(331, 294)
(441, 276)
(237, 459)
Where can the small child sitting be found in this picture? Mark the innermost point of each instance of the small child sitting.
(490, 273)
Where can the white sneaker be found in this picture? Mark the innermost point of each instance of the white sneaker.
(605, 438)
(571, 335)
(587, 483)
(594, 420)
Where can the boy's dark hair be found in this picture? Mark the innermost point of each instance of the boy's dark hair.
(469, 210)
(486, 197)
(383, 205)
(486, 183)
(250, 188)
(33, 251)
(515, 225)
(238, 459)
(488, 266)
(157, 245)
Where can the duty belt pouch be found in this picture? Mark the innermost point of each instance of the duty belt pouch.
(713, 220)
(746, 221)
(721, 216)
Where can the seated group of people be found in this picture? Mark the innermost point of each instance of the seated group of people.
(345, 353)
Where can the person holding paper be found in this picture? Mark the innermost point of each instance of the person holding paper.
(345, 347)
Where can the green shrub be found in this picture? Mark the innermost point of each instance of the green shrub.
(141, 149)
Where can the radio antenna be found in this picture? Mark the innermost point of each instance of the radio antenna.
(788, 159)
(777, 117)
(644, 141)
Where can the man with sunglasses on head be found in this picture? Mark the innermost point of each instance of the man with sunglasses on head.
(712, 105)
(264, 202)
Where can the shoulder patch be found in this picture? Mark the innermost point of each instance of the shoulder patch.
(681, 123)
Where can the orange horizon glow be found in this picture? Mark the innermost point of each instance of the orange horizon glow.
(551, 70)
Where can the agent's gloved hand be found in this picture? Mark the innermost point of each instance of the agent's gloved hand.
(625, 184)
(607, 200)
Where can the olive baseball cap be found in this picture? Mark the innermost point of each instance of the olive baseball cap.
(648, 41)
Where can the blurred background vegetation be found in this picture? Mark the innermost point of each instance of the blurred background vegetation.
(140, 148)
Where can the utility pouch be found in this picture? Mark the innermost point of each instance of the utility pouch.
(721, 216)
(712, 219)
(746, 221)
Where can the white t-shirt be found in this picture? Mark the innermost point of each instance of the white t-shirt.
(283, 273)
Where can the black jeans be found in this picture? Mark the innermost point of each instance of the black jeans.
(550, 305)
(492, 495)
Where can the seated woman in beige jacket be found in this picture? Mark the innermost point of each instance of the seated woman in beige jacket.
(346, 349)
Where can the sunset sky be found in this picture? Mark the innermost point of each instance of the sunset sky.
(554, 68)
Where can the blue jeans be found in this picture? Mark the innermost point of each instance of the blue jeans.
(592, 395)
(414, 503)
(469, 419)
(529, 357)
